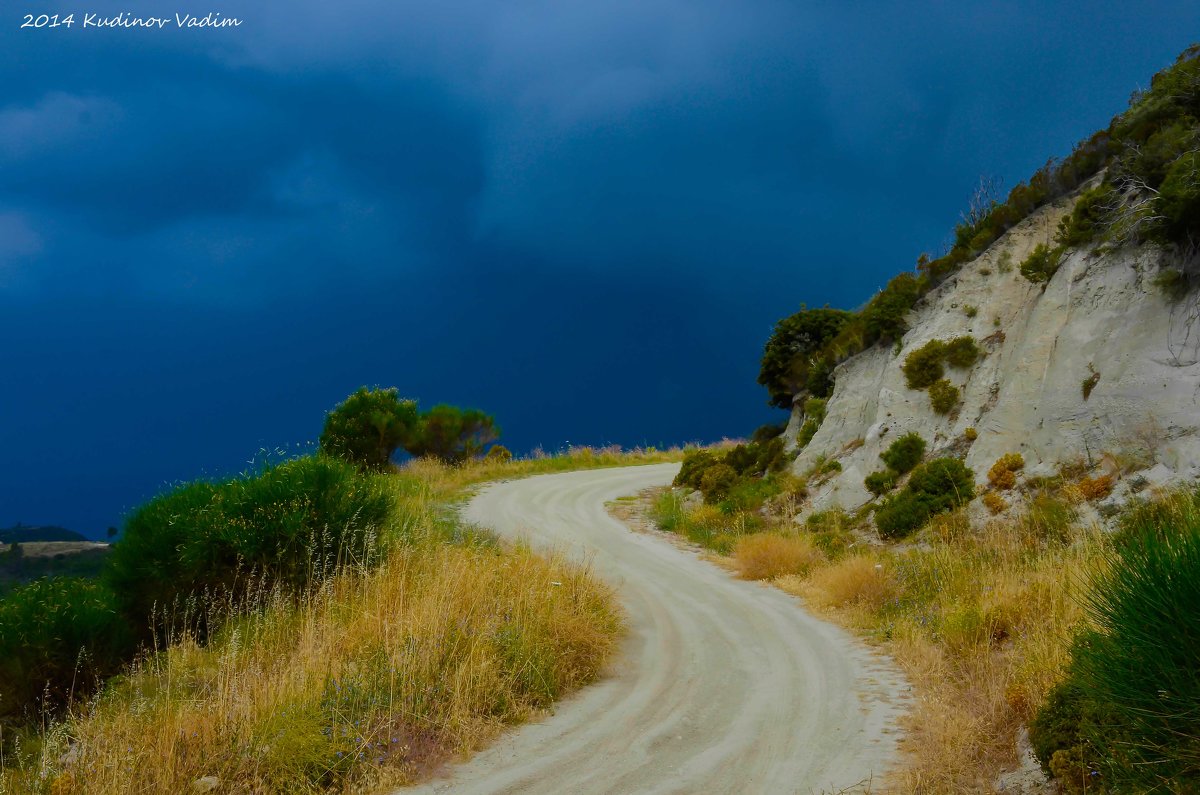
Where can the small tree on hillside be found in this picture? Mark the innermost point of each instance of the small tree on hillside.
(367, 427)
(453, 434)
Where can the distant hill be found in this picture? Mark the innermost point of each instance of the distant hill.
(24, 534)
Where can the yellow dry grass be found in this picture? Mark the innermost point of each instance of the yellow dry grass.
(765, 556)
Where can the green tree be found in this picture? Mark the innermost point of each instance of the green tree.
(367, 427)
(793, 350)
(453, 434)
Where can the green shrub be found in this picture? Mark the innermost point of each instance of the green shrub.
(943, 396)
(765, 433)
(883, 316)
(1175, 284)
(1178, 201)
(59, 638)
(289, 524)
(935, 487)
(367, 428)
(904, 453)
(814, 409)
(880, 483)
(807, 431)
(1059, 735)
(453, 434)
(716, 482)
(1088, 217)
(791, 349)
(962, 352)
(695, 462)
(923, 366)
(500, 453)
(1041, 264)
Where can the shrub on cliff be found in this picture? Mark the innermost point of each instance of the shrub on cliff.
(1041, 264)
(935, 487)
(904, 453)
(923, 366)
(790, 356)
(943, 396)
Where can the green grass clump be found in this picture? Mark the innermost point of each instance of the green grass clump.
(1139, 661)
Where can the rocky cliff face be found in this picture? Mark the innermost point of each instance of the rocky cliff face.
(1100, 318)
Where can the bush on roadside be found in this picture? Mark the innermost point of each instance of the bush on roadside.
(59, 638)
(716, 482)
(765, 556)
(287, 525)
(452, 434)
(1139, 662)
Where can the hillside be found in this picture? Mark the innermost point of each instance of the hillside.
(1100, 319)
(23, 534)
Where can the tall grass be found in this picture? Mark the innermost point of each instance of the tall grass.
(362, 680)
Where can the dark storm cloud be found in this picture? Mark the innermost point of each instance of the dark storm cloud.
(582, 216)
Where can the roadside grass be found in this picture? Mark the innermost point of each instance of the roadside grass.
(367, 680)
(980, 615)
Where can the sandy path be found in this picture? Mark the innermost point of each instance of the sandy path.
(722, 686)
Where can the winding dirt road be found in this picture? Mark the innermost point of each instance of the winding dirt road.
(722, 686)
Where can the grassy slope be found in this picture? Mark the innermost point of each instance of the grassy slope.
(367, 682)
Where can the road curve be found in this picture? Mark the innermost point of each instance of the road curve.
(721, 686)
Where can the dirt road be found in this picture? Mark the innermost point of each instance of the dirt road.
(722, 686)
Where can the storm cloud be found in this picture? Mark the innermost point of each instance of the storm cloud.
(584, 217)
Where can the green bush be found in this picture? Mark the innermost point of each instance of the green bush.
(1178, 201)
(792, 349)
(935, 487)
(716, 482)
(880, 483)
(923, 366)
(59, 638)
(814, 409)
(367, 428)
(1041, 264)
(1088, 217)
(693, 466)
(500, 453)
(904, 453)
(962, 352)
(807, 431)
(883, 316)
(1059, 735)
(943, 396)
(453, 434)
(765, 433)
(289, 524)
(1142, 659)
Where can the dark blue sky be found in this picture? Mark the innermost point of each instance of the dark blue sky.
(583, 217)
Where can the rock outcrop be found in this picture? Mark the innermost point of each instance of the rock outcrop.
(1100, 319)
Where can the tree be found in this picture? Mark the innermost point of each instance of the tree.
(453, 434)
(792, 351)
(367, 427)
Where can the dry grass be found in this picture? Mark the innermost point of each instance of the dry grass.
(765, 556)
(365, 683)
